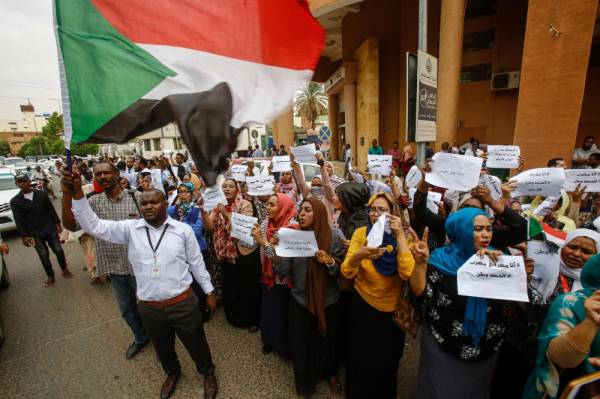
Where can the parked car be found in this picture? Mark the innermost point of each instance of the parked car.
(12, 161)
(8, 190)
(4, 283)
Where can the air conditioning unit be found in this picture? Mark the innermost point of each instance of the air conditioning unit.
(505, 80)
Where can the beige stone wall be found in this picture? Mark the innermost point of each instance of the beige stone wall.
(367, 98)
(553, 78)
(283, 129)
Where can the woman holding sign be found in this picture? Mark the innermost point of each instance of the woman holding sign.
(461, 335)
(313, 311)
(569, 343)
(375, 343)
(274, 331)
(187, 212)
(240, 261)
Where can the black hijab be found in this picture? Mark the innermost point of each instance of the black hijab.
(354, 198)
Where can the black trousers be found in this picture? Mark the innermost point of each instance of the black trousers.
(185, 320)
(53, 242)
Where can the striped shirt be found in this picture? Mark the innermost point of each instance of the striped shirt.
(112, 258)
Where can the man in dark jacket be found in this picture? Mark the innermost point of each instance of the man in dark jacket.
(39, 226)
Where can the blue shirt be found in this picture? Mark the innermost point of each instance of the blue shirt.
(194, 219)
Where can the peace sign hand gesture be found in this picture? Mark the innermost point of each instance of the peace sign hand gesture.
(419, 248)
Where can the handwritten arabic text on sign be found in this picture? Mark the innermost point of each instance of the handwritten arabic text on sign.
(380, 164)
(304, 153)
(281, 164)
(505, 280)
(540, 181)
(296, 243)
(260, 185)
(241, 227)
(588, 178)
(503, 156)
(238, 172)
(213, 196)
(456, 172)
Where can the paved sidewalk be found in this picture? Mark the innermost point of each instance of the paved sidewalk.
(69, 342)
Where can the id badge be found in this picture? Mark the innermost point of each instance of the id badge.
(155, 271)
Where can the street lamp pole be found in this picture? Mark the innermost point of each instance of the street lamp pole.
(422, 47)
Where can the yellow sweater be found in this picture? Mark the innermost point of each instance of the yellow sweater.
(381, 292)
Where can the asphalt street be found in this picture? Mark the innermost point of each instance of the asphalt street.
(69, 341)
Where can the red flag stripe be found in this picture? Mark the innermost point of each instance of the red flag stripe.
(279, 33)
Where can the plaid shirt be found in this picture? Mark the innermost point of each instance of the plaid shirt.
(112, 258)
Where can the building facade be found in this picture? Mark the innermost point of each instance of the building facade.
(510, 72)
(19, 131)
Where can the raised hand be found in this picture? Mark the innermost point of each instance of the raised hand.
(419, 247)
(592, 307)
(366, 252)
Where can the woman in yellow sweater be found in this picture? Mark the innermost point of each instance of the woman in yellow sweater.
(375, 343)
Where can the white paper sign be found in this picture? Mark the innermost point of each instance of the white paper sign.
(413, 177)
(238, 172)
(596, 223)
(304, 153)
(433, 200)
(492, 183)
(546, 266)
(379, 164)
(453, 171)
(542, 181)
(503, 156)
(213, 196)
(296, 243)
(375, 236)
(241, 227)
(588, 178)
(260, 185)
(172, 197)
(505, 280)
(281, 164)
(546, 206)
(157, 179)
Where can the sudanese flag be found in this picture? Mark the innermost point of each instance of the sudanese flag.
(130, 66)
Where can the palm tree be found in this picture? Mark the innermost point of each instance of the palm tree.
(311, 102)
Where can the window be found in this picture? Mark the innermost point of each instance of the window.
(480, 8)
(156, 144)
(147, 146)
(476, 73)
(177, 143)
(481, 40)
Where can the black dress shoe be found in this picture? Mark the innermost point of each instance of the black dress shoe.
(169, 386)
(210, 387)
(253, 329)
(266, 349)
(134, 349)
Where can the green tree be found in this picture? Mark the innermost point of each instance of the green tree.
(54, 127)
(4, 147)
(311, 102)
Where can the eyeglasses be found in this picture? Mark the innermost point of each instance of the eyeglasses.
(378, 210)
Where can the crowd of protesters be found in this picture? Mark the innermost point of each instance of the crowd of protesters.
(143, 227)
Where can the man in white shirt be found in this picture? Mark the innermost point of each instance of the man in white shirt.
(164, 254)
(581, 154)
(474, 151)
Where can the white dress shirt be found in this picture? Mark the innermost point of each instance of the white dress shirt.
(177, 256)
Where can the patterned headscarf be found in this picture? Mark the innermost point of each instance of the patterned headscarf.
(225, 247)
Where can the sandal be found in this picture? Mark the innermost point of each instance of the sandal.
(66, 273)
(49, 282)
(335, 386)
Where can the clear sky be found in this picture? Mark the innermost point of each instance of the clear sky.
(28, 57)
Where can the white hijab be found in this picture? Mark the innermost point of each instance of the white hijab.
(575, 274)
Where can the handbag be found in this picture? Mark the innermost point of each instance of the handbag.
(407, 315)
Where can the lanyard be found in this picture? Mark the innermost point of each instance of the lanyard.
(159, 240)
(565, 284)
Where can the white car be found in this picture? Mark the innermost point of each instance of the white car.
(8, 190)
